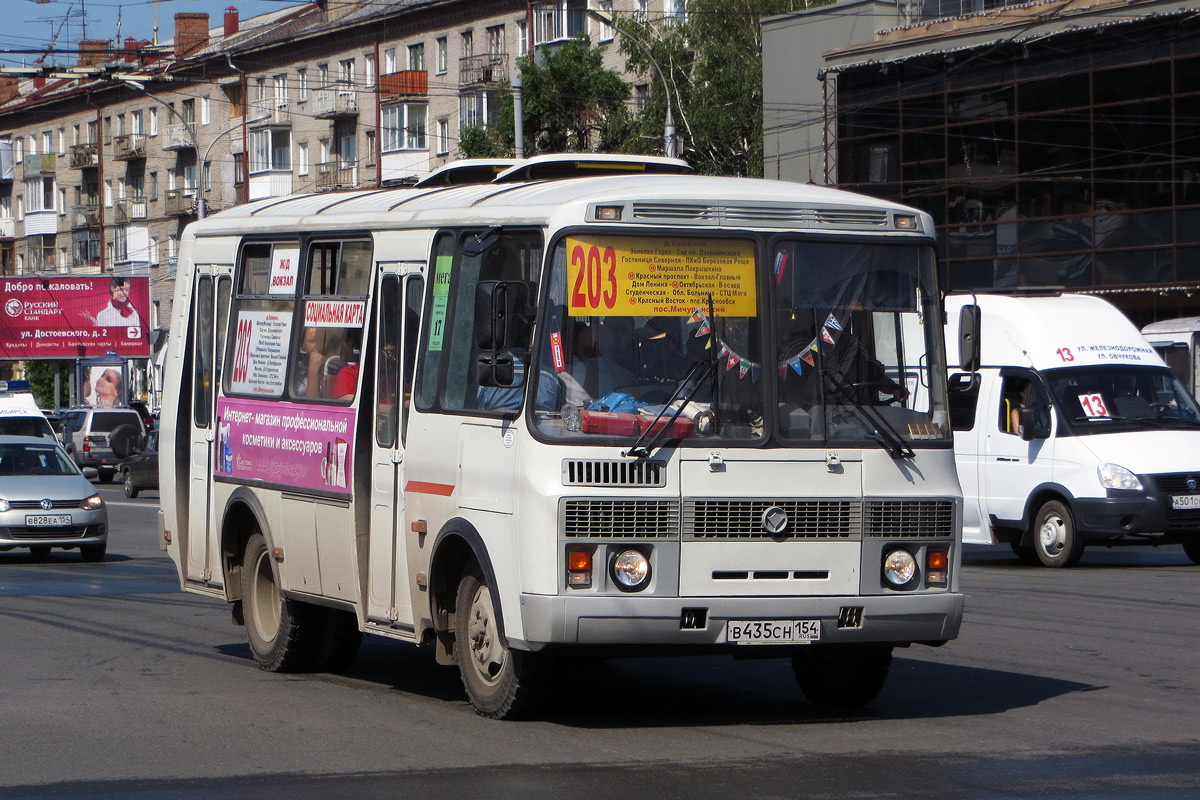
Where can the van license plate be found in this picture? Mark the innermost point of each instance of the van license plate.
(1181, 502)
(772, 631)
(46, 520)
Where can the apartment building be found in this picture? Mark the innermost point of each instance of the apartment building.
(102, 172)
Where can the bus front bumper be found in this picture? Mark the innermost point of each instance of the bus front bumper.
(674, 621)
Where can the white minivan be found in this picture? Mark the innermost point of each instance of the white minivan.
(1070, 430)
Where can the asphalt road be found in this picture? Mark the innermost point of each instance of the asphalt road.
(1078, 683)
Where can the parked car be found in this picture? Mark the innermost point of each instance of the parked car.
(140, 469)
(89, 433)
(46, 502)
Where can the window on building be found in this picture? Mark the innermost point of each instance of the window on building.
(389, 61)
(604, 31)
(346, 73)
(270, 150)
(404, 126)
(495, 40)
(62, 202)
(443, 137)
(120, 125)
(280, 85)
(322, 76)
(416, 57)
(233, 96)
(205, 111)
(135, 123)
(62, 141)
(476, 109)
(560, 19)
(302, 158)
(153, 194)
(468, 44)
(48, 141)
(152, 255)
(443, 55)
(347, 144)
(302, 85)
(369, 68)
(522, 38)
(187, 110)
(153, 123)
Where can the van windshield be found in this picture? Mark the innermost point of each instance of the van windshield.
(1110, 398)
(26, 426)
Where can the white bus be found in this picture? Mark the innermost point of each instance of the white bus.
(592, 417)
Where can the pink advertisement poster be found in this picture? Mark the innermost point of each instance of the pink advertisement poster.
(306, 446)
(74, 317)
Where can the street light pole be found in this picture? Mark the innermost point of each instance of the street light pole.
(669, 120)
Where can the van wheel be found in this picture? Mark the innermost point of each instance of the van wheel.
(495, 677)
(842, 677)
(282, 632)
(1191, 549)
(1055, 539)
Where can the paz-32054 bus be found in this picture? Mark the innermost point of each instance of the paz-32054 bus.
(593, 416)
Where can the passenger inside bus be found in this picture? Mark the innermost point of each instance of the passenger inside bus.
(310, 364)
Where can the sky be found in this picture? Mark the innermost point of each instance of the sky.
(34, 24)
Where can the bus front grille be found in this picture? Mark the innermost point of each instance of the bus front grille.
(601, 472)
(708, 520)
(621, 519)
(909, 518)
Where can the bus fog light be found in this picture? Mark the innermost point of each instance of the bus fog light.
(899, 567)
(936, 567)
(631, 570)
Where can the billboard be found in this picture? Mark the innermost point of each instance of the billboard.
(74, 317)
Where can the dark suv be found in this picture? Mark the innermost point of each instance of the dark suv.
(88, 434)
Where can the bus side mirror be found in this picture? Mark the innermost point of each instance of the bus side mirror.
(501, 323)
(1030, 425)
(969, 324)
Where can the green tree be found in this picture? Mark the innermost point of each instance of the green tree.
(571, 104)
(712, 62)
(40, 375)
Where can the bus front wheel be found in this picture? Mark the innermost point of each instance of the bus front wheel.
(281, 632)
(842, 677)
(492, 673)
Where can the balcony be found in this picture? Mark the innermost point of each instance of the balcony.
(8, 228)
(408, 83)
(83, 217)
(41, 166)
(129, 209)
(333, 103)
(332, 175)
(485, 69)
(179, 202)
(267, 112)
(178, 136)
(129, 146)
(84, 155)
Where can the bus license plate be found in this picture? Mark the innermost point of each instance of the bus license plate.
(772, 631)
(1185, 502)
(46, 520)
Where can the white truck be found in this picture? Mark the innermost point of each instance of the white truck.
(1068, 429)
(1175, 341)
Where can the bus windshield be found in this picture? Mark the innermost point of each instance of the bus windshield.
(1109, 398)
(637, 328)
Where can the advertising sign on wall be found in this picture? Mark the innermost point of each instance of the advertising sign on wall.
(74, 317)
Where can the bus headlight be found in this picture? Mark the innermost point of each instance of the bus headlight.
(1113, 476)
(630, 570)
(899, 567)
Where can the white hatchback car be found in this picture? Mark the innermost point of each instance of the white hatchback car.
(46, 502)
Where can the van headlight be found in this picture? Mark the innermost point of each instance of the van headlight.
(1113, 476)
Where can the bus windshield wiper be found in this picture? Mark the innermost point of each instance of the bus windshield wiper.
(700, 371)
(887, 435)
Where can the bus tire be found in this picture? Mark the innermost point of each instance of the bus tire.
(340, 640)
(1191, 548)
(493, 675)
(1055, 539)
(842, 677)
(282, 632)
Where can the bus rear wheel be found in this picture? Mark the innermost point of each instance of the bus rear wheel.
(842, 677)
(282, 632)
(493, 675)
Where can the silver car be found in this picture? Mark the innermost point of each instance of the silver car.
(46, 502)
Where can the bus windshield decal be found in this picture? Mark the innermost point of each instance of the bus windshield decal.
(334, 313)
(626, 276)
(260, 355)
(285, 263)
(441, 297)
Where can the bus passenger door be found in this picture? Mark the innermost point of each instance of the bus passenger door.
(398, 313)
(209, 317)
